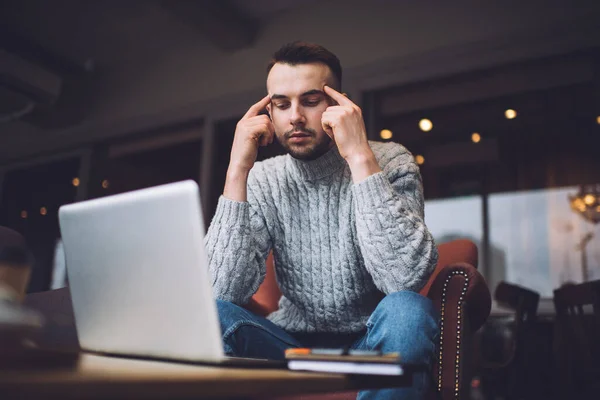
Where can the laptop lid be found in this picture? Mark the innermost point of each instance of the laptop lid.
(138, 274)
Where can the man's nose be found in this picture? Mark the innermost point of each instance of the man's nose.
(297, 116)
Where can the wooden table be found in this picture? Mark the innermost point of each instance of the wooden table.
(103, 377)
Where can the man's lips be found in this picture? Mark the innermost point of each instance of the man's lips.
(299, 134)
(298, 137)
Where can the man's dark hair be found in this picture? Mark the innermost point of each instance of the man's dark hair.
(306, 53)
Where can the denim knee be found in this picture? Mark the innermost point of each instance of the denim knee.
(406, 322)
(406, 308)
(230, 314)
(248, 335)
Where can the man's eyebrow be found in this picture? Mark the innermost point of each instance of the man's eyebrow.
(309, 93)
(312, 93)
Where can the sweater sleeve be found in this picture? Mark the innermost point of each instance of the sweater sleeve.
(398, 250)
(237, 243)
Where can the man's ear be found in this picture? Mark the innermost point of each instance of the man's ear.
(268, 107)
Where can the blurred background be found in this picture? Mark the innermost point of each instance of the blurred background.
(498, 101)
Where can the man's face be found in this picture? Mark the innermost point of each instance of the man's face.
(297, 103)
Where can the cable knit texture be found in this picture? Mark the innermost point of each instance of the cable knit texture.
(339, 247)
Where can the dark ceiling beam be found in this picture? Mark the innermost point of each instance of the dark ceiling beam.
(42, 56)
(218, 20)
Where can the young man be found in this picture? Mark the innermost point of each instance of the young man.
(342, 215)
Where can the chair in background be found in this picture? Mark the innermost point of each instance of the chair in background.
(460, 294)
(16, 262)
(577, 339)
(512, 374)
(59, 331)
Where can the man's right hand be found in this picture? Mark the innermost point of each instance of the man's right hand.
(252, 130)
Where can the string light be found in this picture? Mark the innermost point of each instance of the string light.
(24, 214)
(385, 134)
(510, 114)
(475, 137)
(43, 211)
(75, 182)
(419, 159)
(425, 125)
(105, 184)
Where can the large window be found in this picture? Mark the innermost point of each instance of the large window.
(457, 218)
(544, 243)
(535, 239)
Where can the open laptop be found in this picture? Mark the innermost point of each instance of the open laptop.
(138, 275)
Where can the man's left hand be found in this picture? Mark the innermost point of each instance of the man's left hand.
(345, 125)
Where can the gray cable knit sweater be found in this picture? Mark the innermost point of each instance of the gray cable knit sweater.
(337, 245)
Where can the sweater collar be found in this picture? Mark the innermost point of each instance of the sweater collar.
(323, 166)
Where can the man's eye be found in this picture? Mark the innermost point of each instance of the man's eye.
(282, 106)
(312, 103)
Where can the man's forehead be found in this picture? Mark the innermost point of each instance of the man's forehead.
(296, 79)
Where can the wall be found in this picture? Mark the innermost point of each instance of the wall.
(379, 43)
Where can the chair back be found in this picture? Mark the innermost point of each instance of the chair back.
(577, 329)
(266, 299)
(524, 302)
(512, 373)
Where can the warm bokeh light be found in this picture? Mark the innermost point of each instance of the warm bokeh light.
(385, 134)
(510, 114)
(24, 214)
(579, 204)
(475, 137)
(75, 182)
(598, 119)
(43, 211)
(589, 199)
(419, 159)
(105, 184)
(425, 125)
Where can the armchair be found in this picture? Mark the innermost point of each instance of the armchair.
(459, 292)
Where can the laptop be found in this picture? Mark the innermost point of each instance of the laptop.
(138, 274)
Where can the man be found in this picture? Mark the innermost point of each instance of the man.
(342, 215)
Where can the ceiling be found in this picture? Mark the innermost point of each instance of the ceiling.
(71, 35)
(73, 43)
(92, 46)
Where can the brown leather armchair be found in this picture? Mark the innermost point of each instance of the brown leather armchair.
(460, 294)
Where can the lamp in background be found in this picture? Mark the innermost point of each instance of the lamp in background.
(587, 202)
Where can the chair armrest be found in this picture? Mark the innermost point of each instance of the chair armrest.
(461, 282)
(464, 301)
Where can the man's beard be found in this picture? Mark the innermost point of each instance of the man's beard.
(307, 152)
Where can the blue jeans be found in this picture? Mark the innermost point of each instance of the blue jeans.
(403, 322)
